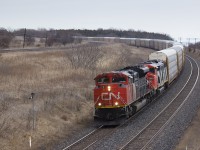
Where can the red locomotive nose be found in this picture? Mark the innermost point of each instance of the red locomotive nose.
(110, 91)
(107, 97)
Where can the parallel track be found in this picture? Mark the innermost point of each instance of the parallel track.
(99, 134)
(95, 136)
(147, 135)
(83, 139)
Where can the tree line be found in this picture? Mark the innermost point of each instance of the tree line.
(64, 37)
(194, 46)
(5, 38)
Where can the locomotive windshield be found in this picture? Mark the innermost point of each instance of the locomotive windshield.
(103, 80)
(118, 79)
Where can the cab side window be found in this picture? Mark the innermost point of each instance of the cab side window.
(152, 70)
(103, 80)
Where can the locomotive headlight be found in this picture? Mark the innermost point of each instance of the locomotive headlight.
(109, 88)
(116, 103)
(99, 104)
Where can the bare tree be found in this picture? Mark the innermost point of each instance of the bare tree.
(5, 38)
(84, 56)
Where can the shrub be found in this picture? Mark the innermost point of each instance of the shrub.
(84, 57)
(5, 38)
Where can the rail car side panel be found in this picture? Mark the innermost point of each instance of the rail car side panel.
(170, 58)
(180, 56)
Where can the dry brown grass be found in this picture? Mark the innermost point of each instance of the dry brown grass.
(62, 81)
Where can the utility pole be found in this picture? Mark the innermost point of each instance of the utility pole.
(46, 40)
(24, 37)
(188, 41)
(195, 40)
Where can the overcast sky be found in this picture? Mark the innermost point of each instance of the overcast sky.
(178, 18)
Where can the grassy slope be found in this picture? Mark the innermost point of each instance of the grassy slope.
(63, 83)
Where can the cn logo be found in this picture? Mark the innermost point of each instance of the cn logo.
(108, 96)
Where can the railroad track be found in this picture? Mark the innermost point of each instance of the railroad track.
(99, 134)
(95, 136)
(89, 139)
(147, 135)
(156, 125)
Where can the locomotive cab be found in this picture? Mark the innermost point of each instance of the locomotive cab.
(109, 90)
(110, 95)
(157, 74)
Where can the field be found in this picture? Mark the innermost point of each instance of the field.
(62, 81)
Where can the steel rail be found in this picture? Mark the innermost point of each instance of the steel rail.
(105, 135)
(83, 138)
(109, 133)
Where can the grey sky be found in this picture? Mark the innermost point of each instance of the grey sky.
(178, 18)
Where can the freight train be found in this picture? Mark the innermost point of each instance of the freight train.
(121, 93)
